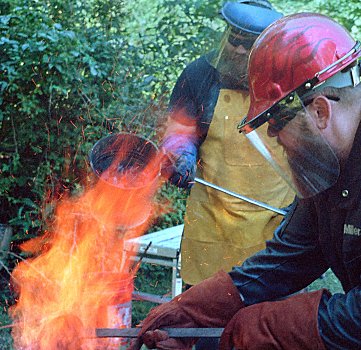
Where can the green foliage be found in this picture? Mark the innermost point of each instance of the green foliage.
(346, 12)
(151, 279)
(328, 281)
(172, 203)
(172, 31)
(62, 87)
(73, 72)
(5, 338)
(70, 73)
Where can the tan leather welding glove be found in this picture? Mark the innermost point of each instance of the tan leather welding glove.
(285, 324)
(211, 303)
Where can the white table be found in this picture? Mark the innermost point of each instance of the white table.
(164, 250)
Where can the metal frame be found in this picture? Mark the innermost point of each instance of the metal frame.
(164, 250)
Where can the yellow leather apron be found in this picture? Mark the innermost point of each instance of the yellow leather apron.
(221, 231)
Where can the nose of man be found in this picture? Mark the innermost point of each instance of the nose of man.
(272, 131)
(240, 50)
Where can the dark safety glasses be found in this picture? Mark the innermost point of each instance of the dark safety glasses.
(244, 39)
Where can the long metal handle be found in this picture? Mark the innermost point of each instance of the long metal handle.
(239, 196)
(172, 332)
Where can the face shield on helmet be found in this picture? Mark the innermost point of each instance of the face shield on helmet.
(316, 53)
(231, 57)
(245, 21)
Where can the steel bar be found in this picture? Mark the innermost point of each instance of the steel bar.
(150, 297)
(172, 332)
(239, 196)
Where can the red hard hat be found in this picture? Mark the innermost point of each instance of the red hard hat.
(293, 51)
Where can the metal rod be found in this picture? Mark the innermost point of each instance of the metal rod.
(137, 264)
(239, 196)
(172, 332)
(149, 297)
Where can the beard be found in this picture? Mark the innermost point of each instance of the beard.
(233, 70)
(313, 164)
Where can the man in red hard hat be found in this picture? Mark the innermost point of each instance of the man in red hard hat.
(309, 101)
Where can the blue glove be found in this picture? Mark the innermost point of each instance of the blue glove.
(184, 170)
(181, 166)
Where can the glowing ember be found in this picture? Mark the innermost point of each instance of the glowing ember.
(80, 272)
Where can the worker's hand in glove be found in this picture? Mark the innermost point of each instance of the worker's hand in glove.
(183, 170)
(211, 303)
(285, 324)
(180, 163)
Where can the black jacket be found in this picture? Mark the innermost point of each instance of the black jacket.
(196, 91)
(318, 233)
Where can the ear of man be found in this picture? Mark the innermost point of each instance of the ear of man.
(321, 110)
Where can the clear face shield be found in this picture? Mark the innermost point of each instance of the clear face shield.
(308, 162)
(230, 58)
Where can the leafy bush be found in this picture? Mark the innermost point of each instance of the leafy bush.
(346, 12)
(151, 279)
(70, 73)
(58, 82)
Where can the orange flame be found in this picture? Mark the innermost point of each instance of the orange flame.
(81, 271)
